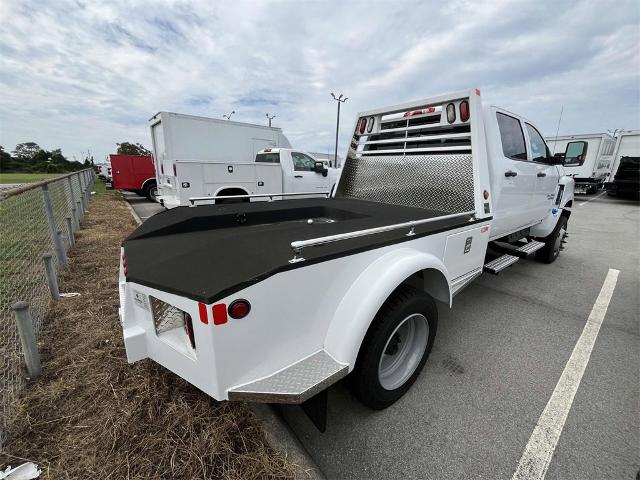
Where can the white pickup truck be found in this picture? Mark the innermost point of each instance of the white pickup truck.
(275, 301)
(275, 171)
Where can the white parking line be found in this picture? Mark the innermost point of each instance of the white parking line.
(539, 451)
(597, 196)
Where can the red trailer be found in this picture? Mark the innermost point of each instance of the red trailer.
(134, 173)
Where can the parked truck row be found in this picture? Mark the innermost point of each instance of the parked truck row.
(276, 301)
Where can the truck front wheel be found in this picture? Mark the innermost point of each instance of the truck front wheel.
(395, 348)
(553, 243)
(151, 191)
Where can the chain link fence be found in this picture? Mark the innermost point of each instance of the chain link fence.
(35, 220)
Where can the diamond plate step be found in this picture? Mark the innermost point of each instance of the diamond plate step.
(294, 384)
(528, 248)
(500, 263)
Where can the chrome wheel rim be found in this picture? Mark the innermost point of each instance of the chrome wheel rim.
(403, 351)
(153, 193)
(556, 246)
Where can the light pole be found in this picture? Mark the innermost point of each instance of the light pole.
(339, 100)
(270, 118)
(228, 117)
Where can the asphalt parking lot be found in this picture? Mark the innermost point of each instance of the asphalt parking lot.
(498, 356)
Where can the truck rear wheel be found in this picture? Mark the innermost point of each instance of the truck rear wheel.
(151, 191)
(553, 243)
(395, 348)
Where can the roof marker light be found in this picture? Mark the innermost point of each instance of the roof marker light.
(451, 113)
(204, 316)
(363, 125)
(464, 111)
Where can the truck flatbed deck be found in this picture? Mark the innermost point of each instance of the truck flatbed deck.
(207, 252)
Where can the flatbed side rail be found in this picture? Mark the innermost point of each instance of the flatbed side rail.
(193, 200)
(299, 245)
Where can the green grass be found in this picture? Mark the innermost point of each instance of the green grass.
(26, 177)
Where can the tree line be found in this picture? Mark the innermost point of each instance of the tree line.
(29, 157)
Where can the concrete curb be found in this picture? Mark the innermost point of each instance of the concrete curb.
(282, 438)
(277, 432)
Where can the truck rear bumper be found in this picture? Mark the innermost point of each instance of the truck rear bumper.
(294, 384)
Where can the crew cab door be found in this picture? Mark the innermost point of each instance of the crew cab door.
(546, 180)
(305, 179)
(515, 174)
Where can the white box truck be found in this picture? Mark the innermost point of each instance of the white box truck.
(276, 301)
(179, 138)
(588, 158)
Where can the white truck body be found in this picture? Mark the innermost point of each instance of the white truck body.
(274, 171)
(186, 139)
(593, 167)
(627, 145)
(418, 202)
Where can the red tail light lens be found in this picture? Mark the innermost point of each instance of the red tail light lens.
(124, 265)
(239, 308)
(363, 125)
(464, 111)
(451, 113)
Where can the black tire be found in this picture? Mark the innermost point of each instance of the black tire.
(551, 249)
(151, 191)
(364, 380)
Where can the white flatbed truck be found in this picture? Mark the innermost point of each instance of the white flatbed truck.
(276, 301)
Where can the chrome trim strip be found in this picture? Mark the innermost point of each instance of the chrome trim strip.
(256, 195)
(298, 245)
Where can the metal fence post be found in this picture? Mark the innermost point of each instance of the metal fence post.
(80, 211)
(52, 225)
(51, 276)
(64, 247)
(72, 197)
(74, 216)
(72, 240)
(27, 338)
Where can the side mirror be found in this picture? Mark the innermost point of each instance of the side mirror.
(557, 159)
(318, 167)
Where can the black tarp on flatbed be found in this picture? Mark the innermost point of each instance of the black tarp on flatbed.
(207, 252)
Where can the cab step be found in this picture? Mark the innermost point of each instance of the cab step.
(528, 248)
(500, 263)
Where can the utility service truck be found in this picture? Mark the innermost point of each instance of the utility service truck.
(276, 301)
(625, 174)
(134, 173)
(275, 173)
(180, 141)
(588, 158)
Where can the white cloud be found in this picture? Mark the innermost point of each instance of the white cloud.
(87, 74)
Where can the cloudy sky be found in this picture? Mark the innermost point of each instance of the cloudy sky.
(83, 75)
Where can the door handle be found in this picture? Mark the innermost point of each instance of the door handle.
(509, 173)
(297, 176)
(542, 174)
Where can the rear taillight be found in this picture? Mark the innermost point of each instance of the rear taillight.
(464, 111)
(451, 113)
(124, 265)
(363, 125)
(239, 308)
(188, 327)
(370, 123)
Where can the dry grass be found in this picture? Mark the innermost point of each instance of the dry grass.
(92, 415)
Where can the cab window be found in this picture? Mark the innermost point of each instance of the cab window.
(512, 137)
(539, 151)
(268, 157)
(575, 154)
(302, 162)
